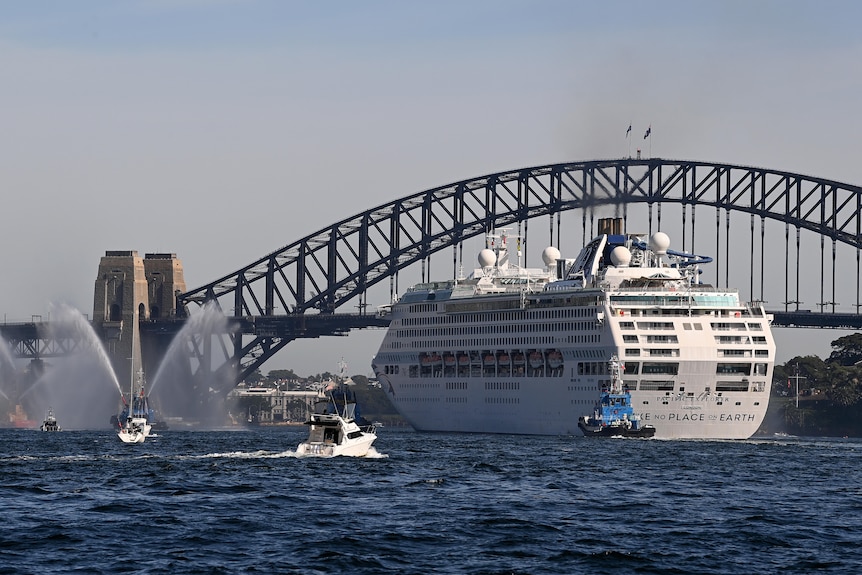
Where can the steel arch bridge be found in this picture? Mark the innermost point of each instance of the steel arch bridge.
(313, 277)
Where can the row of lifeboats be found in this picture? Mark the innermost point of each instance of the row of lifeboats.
(552, 358)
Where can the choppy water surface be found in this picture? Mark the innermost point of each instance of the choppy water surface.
(242, 502)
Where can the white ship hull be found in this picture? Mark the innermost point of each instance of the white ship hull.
(537, 410)
(697, 361)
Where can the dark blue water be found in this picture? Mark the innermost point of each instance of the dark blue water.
(240, 502)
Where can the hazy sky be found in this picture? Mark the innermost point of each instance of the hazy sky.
(222, 130)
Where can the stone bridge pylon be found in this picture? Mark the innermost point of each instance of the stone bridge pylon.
(130, 289)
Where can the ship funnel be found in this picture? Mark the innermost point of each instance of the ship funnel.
(610, 226)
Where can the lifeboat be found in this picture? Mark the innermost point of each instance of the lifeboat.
(503, 358)
(518, 358)
(449, 360)
(536, 360)
(463, 359)
(489, 359)
(555, 359)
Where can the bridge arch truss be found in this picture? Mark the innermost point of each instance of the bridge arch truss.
(296, 291)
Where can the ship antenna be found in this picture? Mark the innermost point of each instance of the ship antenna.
(614, 368)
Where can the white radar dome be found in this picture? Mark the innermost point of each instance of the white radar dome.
(487, 258)
(659, 243)
(621, 257)
(550, 254)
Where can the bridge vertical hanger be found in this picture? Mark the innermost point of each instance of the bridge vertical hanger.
(751, 296)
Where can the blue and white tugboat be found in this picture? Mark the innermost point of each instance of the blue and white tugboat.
(614, 415)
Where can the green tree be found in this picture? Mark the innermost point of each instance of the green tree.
(844, 385)
(810, 369)
(847, 350)
(282, 374)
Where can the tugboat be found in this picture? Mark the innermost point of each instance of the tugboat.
(50, 423)
(614, 415)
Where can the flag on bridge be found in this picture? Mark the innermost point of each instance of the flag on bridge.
(648, 130)
(629, 130)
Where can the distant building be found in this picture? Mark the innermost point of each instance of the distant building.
(268, 405)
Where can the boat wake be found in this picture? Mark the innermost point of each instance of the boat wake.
(370, 454)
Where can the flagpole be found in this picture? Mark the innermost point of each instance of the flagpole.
(628, 132)
(648, 134)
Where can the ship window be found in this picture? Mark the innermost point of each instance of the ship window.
(631, 367)
(633, 351)
(630, 338)
(662, 339)
(669, 368)
(737, 368)
(655, 325)
(655, 385)
(761, 353)
(662, 352)
(731, 386)
(759, 369)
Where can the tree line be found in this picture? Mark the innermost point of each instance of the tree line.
(829, 402)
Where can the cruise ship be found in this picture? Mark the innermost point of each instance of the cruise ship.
(510, 349)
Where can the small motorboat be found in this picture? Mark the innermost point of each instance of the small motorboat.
(614, 415)
(336, 428)
(50, 423)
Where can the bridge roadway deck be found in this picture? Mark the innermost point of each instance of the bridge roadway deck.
(290, 326)
(35, 339)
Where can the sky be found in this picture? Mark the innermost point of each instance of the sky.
(222, 130)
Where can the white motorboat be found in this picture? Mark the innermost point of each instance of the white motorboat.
(334, 427)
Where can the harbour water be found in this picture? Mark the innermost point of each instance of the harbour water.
(241, 502)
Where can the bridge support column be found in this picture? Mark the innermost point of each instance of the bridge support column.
(130, 289)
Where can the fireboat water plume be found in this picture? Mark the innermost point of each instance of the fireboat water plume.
(7, 366)
(80, 387)
(68, 321)
(180, 388)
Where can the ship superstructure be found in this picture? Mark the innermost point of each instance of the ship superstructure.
(517, 350)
